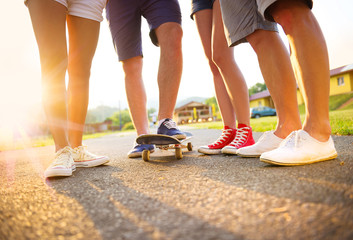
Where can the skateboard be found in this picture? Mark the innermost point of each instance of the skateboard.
(164, 142)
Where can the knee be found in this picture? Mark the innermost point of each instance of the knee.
(220, 56)
(80, 70)
(54, 66)
(132, 67)
(291, 15)
(261, 39)
(170, 36)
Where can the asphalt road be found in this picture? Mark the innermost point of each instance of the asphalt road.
(197, 197)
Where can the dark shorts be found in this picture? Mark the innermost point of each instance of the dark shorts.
(263, 6)
(124, 19)
(197, 5)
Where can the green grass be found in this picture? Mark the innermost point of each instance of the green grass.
(341, 123)
(337, 100)
(349, 106)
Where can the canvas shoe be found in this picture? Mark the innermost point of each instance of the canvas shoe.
(267, 142)
(169, 127)
(137, 150)
(299, 148)
(84, 158)
(63, 164)
(228, 135)
(243, 138)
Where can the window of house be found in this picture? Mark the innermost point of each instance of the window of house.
(340, 81)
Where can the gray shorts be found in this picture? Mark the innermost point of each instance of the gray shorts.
(264, 4)
(241, 18)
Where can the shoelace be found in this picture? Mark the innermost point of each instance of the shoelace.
(240, 138)
(170, 124)
(224, 136)
(82, 152)
(292, 139)
(61, 157)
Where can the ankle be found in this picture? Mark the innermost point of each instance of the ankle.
(283, 130)
(319, 131)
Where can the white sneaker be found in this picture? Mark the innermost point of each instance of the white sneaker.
(63, 164)
(84, 158)
(299, 148)
(267, 142)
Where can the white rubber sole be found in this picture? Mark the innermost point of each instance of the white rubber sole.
(59, 172)
(92, 163)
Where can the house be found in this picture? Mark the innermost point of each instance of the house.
(341, 81)
(193, 112)
(261, 99)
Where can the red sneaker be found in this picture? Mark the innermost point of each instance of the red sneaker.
(242, 139)
(228, 135)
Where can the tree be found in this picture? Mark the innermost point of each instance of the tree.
(211, 101)
(100, 113)
(258, 87)
(124, 115)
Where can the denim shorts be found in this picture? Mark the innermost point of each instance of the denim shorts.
(125, 16)
(241, 18)
(197, 5)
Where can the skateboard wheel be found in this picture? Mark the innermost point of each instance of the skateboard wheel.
(189, 146)
(146, 155)
(178, 153)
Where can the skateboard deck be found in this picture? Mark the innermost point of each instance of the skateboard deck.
(164, 142)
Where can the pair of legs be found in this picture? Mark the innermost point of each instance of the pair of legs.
(308, 59)
(65, 111)
(310, 62)
(226, 73)
(169, 75)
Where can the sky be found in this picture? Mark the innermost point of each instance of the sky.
(20, 68)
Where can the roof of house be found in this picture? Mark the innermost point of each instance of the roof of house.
(258, 95)
(190, 104)
(341, 70)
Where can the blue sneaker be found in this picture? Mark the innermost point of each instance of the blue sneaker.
(137, 150)
(169, 127)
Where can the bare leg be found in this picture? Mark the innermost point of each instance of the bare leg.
(48, 20)
(224, 59)
(204, 21)
(279, 77)
(310, 61)
(170, 67)
(83, 38)
(136, 94)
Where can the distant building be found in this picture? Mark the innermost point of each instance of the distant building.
(193, 112)
(98, 127)
(261, 99)
(341, 81)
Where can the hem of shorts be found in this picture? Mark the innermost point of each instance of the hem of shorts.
(241, 37)
(128, 57)
(152, 32)
(193, 12)
(85, 17)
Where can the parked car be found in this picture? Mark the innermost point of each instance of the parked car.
(258, 112)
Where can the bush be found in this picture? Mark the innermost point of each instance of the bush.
(128, 126)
